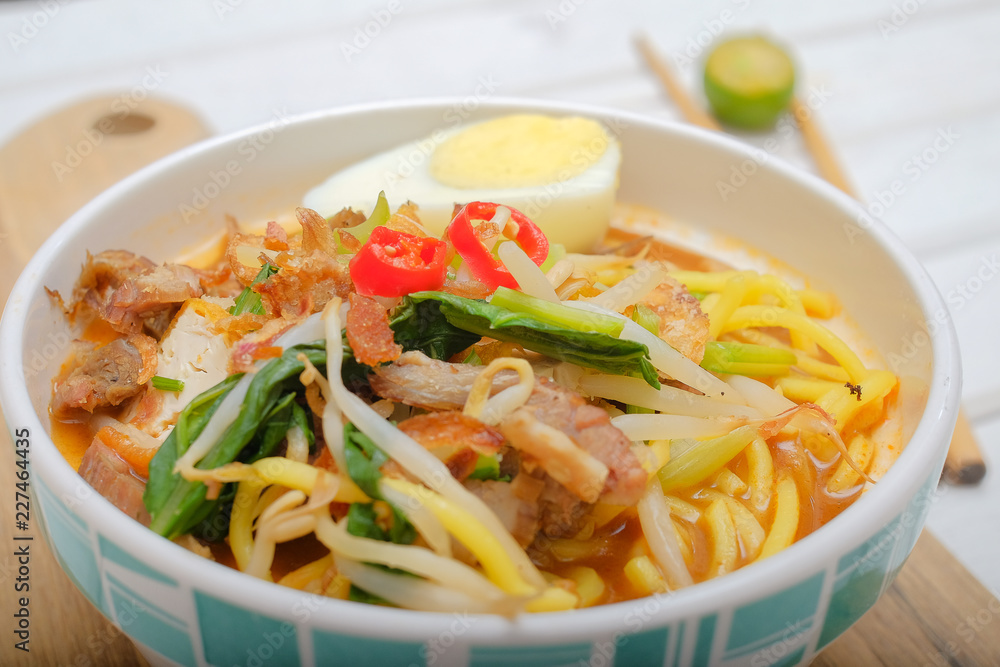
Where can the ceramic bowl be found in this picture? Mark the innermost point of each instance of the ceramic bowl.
(181, 609)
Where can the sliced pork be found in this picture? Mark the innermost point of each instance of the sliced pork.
(101, 275)
(112, 477)
(106, 376)
(516, 504)
(584, 457)
(154, 294)
(416, 379)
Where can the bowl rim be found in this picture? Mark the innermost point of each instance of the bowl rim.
(791, 565)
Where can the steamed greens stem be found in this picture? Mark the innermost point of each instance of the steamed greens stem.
(556, 314)
(746, 359)
(693, 461)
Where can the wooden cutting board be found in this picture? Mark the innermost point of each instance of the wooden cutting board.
(936, 613)
(47, 172)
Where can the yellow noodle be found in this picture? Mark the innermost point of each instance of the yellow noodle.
(603, 513)
(803, 389)
(729, 482)
(844, 405)
(786, 518)
(269, 496)
(302, 476)
(590, 587)
(683, 541)
(467, 530)
(803, 361)
(660, 449)
(644, 576)
(683, 509)
(747, 526)
(760, 475)
(704, 281)
(339, 587)
(308, 573)
(844, 477)
(816, 303)
(749, 529)
(241, 521)
(768, 284)
(823, 305)
(710, 301)
(731, 298)
(552, 599)
(722, 534)
(772, 316)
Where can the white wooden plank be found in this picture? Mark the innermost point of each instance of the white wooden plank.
(969, 280)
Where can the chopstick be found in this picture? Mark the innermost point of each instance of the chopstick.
(964, 463)
(819, 147)
(692, 112)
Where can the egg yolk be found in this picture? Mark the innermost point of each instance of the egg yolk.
(519, 151)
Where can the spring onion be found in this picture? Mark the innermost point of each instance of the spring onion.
(249, 301)
(379, 216)
(746, 359)
(167, 384)
(703, 458)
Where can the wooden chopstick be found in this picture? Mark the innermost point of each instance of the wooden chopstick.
(964, 463)
(819, 147)
(692, 112)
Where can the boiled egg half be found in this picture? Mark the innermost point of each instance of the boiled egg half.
(560, 172)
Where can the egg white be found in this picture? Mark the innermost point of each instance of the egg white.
(573, 211)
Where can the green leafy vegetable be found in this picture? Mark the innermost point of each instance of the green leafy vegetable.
(249, 301)
(176, 504)
(284, 415)
(190, 423)
(364, 459)
(436, 310)
(356, 594)
(420, 325)
(746, 359)
(167, 384)
(362, 521)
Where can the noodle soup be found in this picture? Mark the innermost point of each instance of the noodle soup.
(621, 423)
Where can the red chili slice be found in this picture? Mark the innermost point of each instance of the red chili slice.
(481, 262)
(392, 263)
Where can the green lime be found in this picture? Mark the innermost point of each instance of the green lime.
(749, 82)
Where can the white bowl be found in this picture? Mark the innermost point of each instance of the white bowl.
(180, 608)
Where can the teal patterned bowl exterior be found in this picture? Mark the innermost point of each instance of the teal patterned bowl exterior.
(181, 609)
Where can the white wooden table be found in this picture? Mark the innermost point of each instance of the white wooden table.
(908, 91)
